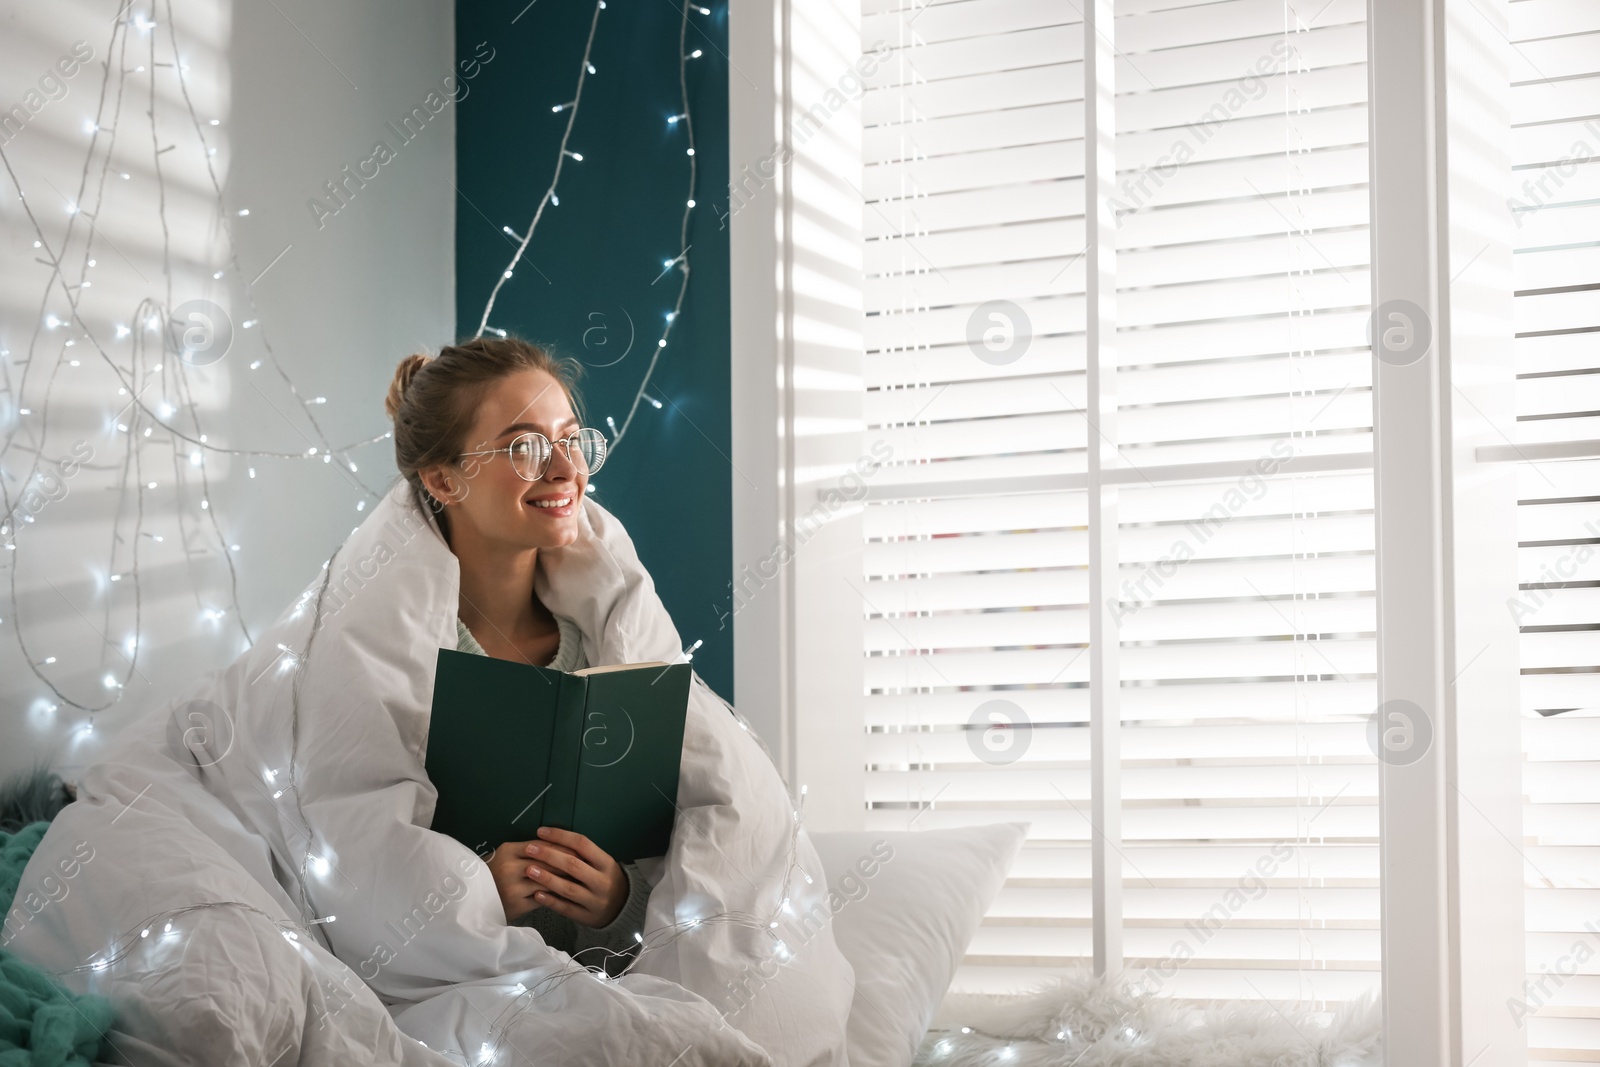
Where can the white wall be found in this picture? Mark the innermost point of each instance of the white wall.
(299, 91)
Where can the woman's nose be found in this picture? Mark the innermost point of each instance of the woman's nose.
(561, 463)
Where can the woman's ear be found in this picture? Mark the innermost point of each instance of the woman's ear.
(443, 484)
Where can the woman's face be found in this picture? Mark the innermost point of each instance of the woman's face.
(486, 494)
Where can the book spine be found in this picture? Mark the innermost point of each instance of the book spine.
(566, 752)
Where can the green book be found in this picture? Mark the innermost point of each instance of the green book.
(513, 747)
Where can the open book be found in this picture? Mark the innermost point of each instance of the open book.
(513, 747)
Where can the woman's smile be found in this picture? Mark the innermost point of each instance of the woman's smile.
(555, 505)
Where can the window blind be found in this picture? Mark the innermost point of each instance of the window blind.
(1249, 791)
(1247, 603)
(1555, 200)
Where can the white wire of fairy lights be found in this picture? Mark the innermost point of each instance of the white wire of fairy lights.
(136, 377)
(767, 924)
(683, 119)
(549, 197)
(660, 938)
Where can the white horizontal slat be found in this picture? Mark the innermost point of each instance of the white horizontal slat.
(1246, 215)
(1556, 226)
(947, 326)
(1314, 291)
(1554, 480)
(1353, 448)
(1152, 746)
(973, 170)
(1241, 702)
(976, 552)
(1236, 63)
(969, 592)
(934, 61)
(1551, 142)
(1571, 740)
(1202, 24)
(911, 252)
(1559, 693)
(1142, 787)
(955, 363)
(1565, 521)
(1203, 537)
(911, 669)
(1270, 376)
(1166, 180)
(948, 22)
(1545, 312)
(1341, 822)
(975, 400)
(1008, 436)
(1187, 502)
(1554, 57)
(1251, 257)
(1305, 618)
(1050, 84)
(1544, 651)
(1261, 138)
(969, 208)
(1054, 274)
(1250, 337)
(1546, 101)
(1259, 417)
(1551, 18)
(928, 518)
(1556, 352)
(975, 132)
(1194, 109)
(1551, 268)
(1560, 395)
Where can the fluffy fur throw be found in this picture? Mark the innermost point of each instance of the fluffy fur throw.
(1085, 1021)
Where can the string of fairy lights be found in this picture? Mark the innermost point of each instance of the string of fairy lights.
(684, 120)
(142, 365)
(148, 366)
(140, 418)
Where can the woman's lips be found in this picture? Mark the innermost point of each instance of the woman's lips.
(543, 506)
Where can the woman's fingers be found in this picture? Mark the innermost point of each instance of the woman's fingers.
(578, 844)
(506, 866)
(560, 858)
(550, 882)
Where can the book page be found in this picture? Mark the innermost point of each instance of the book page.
(619, 667)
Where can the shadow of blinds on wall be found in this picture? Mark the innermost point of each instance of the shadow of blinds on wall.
(1249, 799)
(1555, 198)
(115, 570)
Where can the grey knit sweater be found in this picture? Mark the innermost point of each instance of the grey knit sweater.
(589, 946)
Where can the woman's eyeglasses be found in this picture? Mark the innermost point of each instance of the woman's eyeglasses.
(530, 452)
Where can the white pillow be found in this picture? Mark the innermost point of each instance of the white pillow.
(905, 906)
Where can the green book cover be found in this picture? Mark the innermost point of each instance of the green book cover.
(513, 747)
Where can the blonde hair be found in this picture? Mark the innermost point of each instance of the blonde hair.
(432, 399)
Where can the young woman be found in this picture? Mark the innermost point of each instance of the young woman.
(488, 434)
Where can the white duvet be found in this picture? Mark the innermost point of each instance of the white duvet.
(289, 788)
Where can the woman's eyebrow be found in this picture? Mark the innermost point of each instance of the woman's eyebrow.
(522, 427)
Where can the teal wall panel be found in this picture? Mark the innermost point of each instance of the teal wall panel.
(591, 285)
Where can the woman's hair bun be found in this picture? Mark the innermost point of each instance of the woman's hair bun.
(403, 374)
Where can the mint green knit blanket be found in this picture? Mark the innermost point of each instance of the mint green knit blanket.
(41, 1024)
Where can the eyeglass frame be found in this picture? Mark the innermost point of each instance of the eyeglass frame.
(566, 441)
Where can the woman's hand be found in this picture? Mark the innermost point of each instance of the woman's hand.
(508, 865)
(562, 871)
